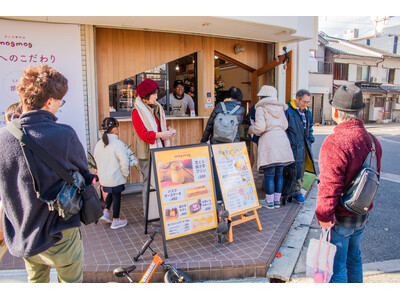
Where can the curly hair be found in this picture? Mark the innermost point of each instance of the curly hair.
(13, 111)
(38, 84)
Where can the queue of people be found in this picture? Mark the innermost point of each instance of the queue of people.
(284, 140)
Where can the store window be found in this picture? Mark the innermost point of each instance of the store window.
(122, 94)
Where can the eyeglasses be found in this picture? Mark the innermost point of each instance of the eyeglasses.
(62, 101)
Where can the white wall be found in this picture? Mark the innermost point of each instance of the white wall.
(300, 69)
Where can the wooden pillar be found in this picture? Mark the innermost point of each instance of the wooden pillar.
(289, 75)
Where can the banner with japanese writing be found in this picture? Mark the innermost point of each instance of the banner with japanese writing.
(186, 190)
(33, 43)
(235, 176)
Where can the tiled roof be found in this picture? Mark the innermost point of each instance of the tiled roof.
(345, 47)
(352, 50)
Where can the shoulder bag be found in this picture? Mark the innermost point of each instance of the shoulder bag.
(357, 197)
(75, 195)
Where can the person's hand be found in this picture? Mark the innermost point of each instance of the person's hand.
(325, 225)
(172, 130)
(166, 134)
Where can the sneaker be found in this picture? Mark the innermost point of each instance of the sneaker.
(299, 198)
(269, 205)
(106, 218)
(118, 224)
(277, 204)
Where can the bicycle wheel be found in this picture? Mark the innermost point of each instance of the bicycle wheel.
(170, 277)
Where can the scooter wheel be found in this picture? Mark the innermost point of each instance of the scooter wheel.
(170, 277)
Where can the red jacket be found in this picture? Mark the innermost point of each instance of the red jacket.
(341, 157)
(144, 134)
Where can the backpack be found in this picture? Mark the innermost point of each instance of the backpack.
(225, 125)
(359, 194)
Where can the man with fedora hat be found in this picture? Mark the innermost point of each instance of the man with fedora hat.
(341, 157)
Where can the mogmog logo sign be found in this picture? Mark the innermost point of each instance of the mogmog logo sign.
(16, 44)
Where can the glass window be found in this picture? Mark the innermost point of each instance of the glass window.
(385, 73)
(362, 73)
(122, 94)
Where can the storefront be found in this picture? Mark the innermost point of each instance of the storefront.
(126, 57)
(114, 61)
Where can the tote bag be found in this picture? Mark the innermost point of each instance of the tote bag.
(320, 256)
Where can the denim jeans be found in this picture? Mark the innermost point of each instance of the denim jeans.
(347, 266)
(273, 180)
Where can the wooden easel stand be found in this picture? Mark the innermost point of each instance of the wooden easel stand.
(243, 219)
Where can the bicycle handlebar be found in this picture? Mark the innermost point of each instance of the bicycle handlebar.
(146, 245)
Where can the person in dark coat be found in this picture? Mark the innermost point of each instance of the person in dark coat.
(31, 230)
(232, 98)
(300, 134)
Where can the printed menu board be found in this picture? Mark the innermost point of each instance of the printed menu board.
(186, 190)
(235, 176)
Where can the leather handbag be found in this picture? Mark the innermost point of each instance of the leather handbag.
(77, 195)
(357, 197)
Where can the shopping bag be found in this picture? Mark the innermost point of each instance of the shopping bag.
(320, 256)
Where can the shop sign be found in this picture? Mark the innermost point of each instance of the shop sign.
(185, 189)
(235, 177)
(33, 43)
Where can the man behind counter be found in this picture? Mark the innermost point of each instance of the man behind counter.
(178, 100)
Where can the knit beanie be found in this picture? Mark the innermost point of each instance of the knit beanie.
(146, 87)
(267, 91)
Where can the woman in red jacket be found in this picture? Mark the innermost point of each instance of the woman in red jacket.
(151, 129)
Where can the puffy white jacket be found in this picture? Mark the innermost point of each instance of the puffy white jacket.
(273, 145)
(112, 161)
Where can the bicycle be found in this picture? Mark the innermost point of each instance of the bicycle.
(172, 275)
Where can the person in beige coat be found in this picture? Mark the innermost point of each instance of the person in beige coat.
(274, 151)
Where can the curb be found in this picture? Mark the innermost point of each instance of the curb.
(281, 269)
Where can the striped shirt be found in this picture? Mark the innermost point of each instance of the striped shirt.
(303, 116)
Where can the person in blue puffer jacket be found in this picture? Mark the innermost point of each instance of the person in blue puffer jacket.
(300, 134)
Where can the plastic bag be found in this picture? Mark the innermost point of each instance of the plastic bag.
(320, 256)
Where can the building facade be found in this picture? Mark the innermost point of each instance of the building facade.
(376, 72)
(209, 54)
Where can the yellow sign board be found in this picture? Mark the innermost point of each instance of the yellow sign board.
(186, 190)
(235, 177)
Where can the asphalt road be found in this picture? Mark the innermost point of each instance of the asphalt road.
(381, 240)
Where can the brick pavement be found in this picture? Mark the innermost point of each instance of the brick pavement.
(249, 255)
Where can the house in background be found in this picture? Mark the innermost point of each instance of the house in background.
(337, 62)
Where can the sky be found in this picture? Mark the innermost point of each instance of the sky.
(335, 26)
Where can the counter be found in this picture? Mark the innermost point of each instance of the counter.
(189, 130)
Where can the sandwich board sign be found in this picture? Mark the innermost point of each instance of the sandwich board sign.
(184, 185)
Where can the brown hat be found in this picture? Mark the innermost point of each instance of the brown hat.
(146, 87)
(348, 98)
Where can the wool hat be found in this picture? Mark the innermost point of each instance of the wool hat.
(348, 98)
(267, 91)
(177, 82)
(146, 87)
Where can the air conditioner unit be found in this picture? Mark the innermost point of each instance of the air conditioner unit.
(374, 79)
